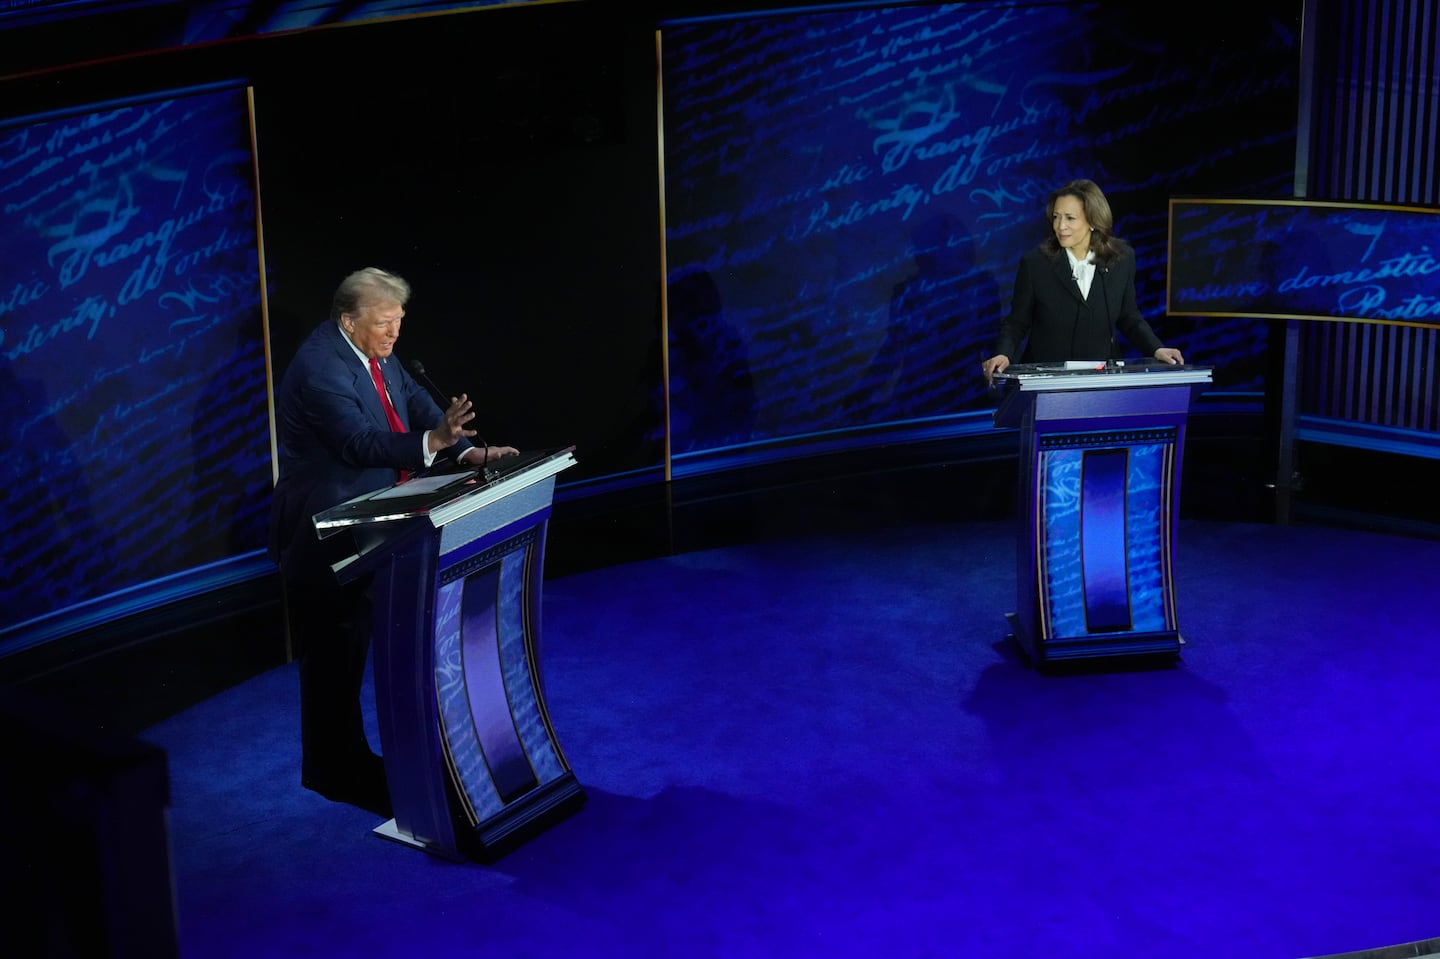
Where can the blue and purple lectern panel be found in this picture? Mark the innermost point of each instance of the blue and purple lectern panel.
(471, 755)
(494, 735)
(1104, 539)
(1101, 456)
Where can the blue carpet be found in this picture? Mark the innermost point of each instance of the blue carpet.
(824, 747)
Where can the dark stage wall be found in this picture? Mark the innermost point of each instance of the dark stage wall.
(504, 163)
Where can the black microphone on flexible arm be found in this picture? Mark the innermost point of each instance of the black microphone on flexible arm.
(418, 369)
(1110, 364)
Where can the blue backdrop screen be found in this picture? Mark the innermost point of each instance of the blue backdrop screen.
(1305, 260)
(848, 193)
(132, 359)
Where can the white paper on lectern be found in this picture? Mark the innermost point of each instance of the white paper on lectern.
(415, 487)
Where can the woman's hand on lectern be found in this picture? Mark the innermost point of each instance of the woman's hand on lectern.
(996, 364)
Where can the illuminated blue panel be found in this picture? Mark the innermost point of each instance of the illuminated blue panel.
(453, 697)
(1305, 259)
(1064, 503)
(847, 194)
(499, 745)
(1060, 475)
(207, 21)
(520, 671)
(1147, 526)
(132, 365)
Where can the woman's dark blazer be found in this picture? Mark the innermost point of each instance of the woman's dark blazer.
(1053, 322)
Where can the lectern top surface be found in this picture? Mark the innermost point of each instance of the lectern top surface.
(425, 494)
(1097, 374)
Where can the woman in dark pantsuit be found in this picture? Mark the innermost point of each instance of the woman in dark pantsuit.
(1075, 291)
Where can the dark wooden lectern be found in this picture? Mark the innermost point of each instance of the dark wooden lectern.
(1100, 452)
(470, 755)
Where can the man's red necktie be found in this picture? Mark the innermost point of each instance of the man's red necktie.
(394, 418)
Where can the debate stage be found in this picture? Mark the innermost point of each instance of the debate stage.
(801, 730)
(823, 745)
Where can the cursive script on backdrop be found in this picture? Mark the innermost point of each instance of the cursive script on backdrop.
(131, 351)
(1303, 259)
(855, 188)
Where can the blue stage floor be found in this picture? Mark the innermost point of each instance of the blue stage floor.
(822, 745)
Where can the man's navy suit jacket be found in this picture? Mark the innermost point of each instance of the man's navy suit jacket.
(334, 443)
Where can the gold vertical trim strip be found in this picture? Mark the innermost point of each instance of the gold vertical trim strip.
(264, 289)
(1167, 531)
(664, 265)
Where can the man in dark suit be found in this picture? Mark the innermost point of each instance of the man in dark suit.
(350, 420)
(1075, 291)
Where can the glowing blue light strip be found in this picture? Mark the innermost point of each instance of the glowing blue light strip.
(144, 596)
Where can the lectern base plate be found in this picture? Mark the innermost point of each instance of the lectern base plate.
(537, 810)
(1113, 646)
(389, 830)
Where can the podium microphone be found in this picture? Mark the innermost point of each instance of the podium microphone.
(418, 369)
(1110, 359)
